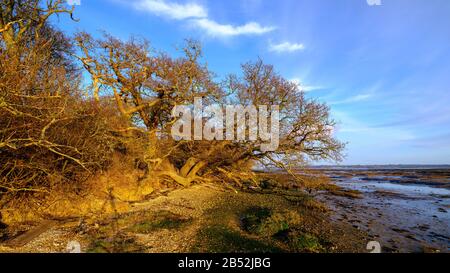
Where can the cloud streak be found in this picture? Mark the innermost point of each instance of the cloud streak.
(362, 96)
(215, 29)
(286, 47)
(304, 87)
(171, 10)
(198, 16)
(356, 98)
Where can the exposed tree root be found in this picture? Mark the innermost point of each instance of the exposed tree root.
(184, 176)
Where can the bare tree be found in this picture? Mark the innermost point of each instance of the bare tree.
(146, 86)
(306, 129)
(49, 134)
(20, 18)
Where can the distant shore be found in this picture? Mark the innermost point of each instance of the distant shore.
(382, 167)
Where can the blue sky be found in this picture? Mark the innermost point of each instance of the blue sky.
(383, 69)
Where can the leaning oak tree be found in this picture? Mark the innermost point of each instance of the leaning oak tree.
(306, 129)
(145, 87)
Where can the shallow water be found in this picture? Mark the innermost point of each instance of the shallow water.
(410, 190)
(402, 217)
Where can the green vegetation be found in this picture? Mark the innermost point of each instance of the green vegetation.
(264, 222)
(223, 239)
(117, 244)
(160, 220)
(306, 243)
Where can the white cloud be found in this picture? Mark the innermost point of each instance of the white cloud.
(198, 15)
(304, 87)
(215, 29)
(362, 131)
(172, 10)
(286, 47)
(359, 97)
(362, 95)
(356, 98)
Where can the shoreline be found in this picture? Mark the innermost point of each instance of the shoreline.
(407, 210)
(365, 206)
(209, 218)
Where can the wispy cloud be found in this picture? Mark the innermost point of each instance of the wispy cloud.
(215, 29)
(362, 95)
(361, 131)
(352, 99)
(172, 10)
(198, 15)
(286, 47)
(305, 87)
(417, 116)
(434, 141)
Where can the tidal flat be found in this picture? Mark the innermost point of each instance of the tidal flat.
(405, 208)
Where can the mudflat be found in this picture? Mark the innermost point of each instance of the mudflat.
(405, 209)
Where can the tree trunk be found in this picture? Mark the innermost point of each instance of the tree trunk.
(186, 175)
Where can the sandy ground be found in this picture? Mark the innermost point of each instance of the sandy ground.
(405, 211)
(204, 218)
